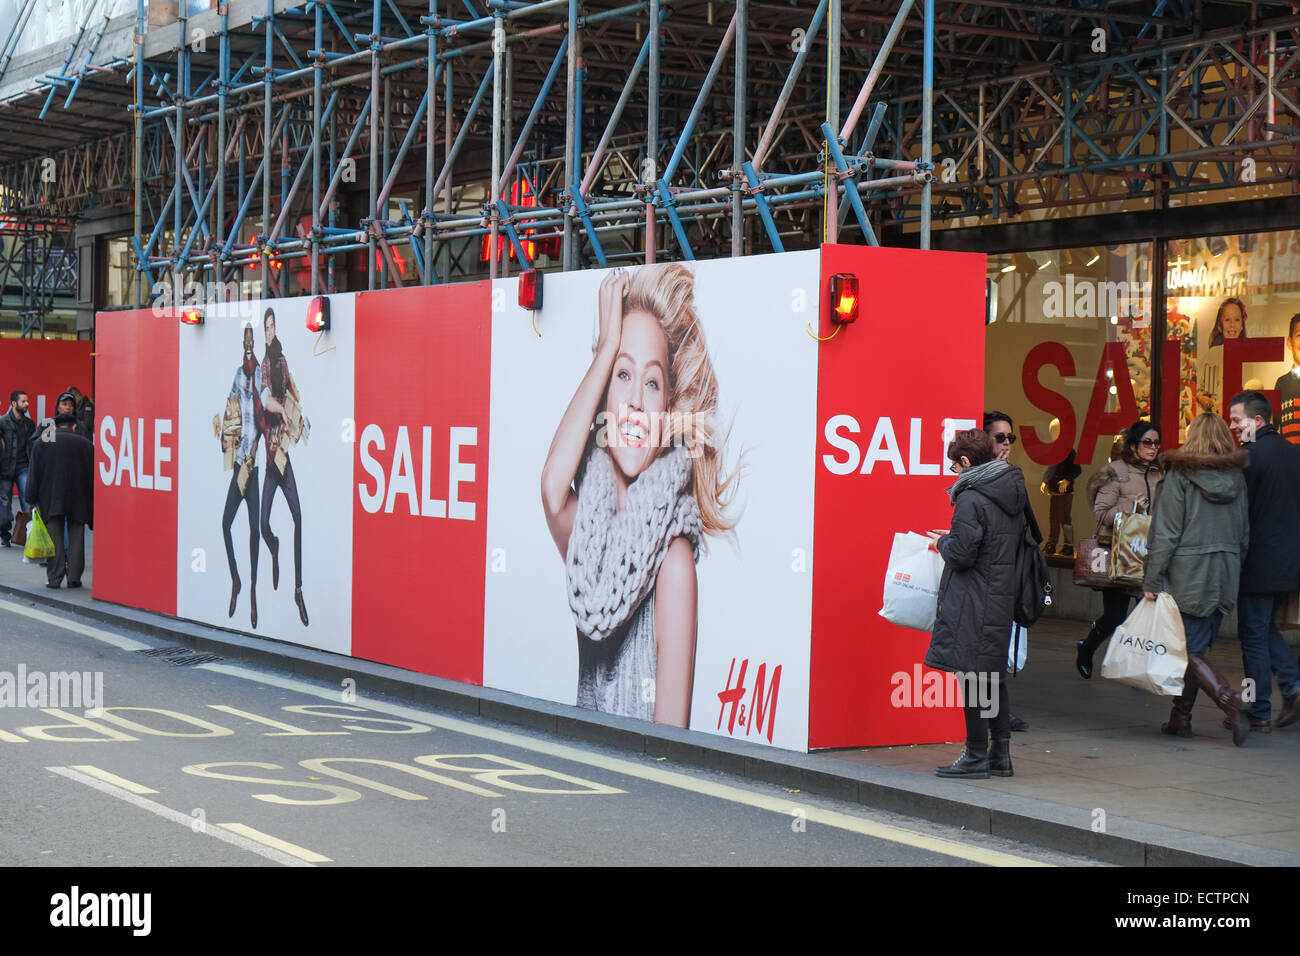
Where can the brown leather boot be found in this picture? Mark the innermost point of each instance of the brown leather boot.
(1180, 717)
(1214, 684)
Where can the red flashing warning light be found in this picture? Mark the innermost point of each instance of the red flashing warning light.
(318, 314)
(530, 290)
(844, 298)
(192, 317)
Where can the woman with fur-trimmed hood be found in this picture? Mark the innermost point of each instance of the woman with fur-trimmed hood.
(1199, 534)
(1129, 481)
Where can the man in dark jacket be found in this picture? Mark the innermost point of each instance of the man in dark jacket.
(61, 484)
(15, 430)
(1272, 565)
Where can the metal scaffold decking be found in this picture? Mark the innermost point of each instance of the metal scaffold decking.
(342, 145)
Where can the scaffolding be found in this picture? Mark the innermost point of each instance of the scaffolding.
(341, 145)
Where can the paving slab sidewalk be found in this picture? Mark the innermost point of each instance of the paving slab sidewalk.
(1093, 774)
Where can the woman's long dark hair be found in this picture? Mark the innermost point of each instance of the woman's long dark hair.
(1133, 436)
(273, 353)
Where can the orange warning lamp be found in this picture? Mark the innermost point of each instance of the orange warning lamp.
(530, 290)
(844, 298)
(192, 317)
(318, 314)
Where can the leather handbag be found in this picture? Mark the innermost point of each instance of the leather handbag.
(1092, 564)
(20, 527)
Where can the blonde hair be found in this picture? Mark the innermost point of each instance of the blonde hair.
(668, 292)
(1208, 435)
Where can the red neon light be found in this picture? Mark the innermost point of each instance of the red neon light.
(521, 194)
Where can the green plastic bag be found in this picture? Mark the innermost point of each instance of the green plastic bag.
(39, 543)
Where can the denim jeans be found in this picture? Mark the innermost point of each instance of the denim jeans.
(6, 499)
(1264, 652)
(1201, 631)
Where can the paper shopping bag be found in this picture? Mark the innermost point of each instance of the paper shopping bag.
(1128, 550)
(912, 582)
(1149, 650)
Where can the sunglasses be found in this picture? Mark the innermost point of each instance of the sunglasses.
(1151, 442)
(1007, 439)
(954, 468)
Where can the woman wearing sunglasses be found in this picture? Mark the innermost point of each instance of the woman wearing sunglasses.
(972, 627)
(1131, 480)
(999, 427)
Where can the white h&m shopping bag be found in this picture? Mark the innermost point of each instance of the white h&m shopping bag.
(912, 582)
(1149, 650)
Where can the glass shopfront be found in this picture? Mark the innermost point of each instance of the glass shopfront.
(1068, 358)
(1075, 352)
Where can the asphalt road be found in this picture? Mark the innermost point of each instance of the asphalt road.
(219, 763)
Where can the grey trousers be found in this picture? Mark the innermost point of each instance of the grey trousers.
(71, 562)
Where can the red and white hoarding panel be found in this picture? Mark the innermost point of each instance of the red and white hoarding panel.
(420, 478)
(137, 461)
(659, 497)
(727, 634)
(890, 387)
(44, 369)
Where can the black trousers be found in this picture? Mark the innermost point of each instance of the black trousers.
(233, 498)
(71, 561)
(286, 484)
(1115, 607)
(979, 728)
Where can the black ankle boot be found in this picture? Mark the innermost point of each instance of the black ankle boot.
(1000, 758)
(973, 762)
(1086, 648)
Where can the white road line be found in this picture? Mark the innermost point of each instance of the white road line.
(112, 778)
(125, 643)
(680, 781)
(284, 846)
(167, 813)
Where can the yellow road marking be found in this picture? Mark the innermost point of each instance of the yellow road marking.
(668, 778)
(112, 778)
(175, 816)
(680, 781)
(275, 843)
(11, 738)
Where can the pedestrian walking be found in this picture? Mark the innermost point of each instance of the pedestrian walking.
(1199, 536)
(1128, 483)
(16, 430)
(1272, 565)
(61, 485)
(977, 592)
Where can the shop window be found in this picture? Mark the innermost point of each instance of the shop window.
(1234, 310)
(1068, 358)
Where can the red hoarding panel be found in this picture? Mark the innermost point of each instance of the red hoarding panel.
(137, 378)
(44, 369)
(913, 360)
(420, 473)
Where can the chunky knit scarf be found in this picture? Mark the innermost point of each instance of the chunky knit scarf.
(613, 560)
(977, 475)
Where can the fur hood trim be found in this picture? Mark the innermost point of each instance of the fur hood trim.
(1180, 459)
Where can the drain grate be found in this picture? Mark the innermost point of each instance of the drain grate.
(179, 655)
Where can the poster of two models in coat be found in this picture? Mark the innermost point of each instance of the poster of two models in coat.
(262, 472)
